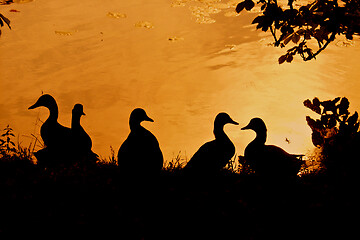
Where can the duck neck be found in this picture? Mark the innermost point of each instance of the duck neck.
(75, 121)
(260, 137)
(219, 131)
(134, 125)
(54, 112)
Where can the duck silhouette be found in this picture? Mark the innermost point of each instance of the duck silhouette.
(52, 133)
(56, 138)
(269, 160)
(82, 143)
(214, 155)
(140, 153)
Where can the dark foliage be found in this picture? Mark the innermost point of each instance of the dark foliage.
(320, 21)
(336, 134)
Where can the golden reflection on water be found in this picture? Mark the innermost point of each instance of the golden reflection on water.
(118, 55)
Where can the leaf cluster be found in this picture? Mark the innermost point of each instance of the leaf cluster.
(335, 119)
(335, 133)
(320, 21)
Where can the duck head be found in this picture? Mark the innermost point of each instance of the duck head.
(224, 118)
(45, 100)
(256, 124)
(137, 116)
(78, 110)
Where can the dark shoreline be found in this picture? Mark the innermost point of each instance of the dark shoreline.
(97, 200)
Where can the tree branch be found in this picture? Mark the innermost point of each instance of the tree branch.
(332, 38)
(273, 33)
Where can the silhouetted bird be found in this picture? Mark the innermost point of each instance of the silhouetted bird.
(214, 155)
(140, 153)
(52, 133)
(269, 160)
(56, 137)
(82, 143)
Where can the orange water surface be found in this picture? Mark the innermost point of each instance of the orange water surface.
(183, 61)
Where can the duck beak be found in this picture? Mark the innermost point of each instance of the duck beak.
(148, 119)
(246, 127)
(233, 122)
(34, 106)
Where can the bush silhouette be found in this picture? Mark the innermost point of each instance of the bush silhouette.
(336, 133)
